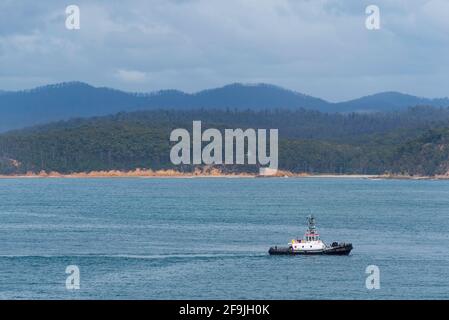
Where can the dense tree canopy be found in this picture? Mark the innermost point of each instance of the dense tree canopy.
(415, 141)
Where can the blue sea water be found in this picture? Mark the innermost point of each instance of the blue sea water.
(207, 238)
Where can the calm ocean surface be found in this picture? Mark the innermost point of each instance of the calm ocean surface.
(207, 238)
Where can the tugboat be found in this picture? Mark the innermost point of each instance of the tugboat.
(312, 244)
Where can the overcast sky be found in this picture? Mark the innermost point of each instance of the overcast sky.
(318, 47)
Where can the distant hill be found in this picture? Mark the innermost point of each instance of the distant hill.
(388, 101)
(256, 97)
(76, 99)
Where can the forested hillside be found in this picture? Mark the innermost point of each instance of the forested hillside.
(414, 141)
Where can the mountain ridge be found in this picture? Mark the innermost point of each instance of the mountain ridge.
(62, 101)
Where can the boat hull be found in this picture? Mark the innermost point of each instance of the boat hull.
(339, 250)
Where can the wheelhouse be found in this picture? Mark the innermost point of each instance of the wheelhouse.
(312, 237)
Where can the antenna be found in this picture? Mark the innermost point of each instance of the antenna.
(311, 221)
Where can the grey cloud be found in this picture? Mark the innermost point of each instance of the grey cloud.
(318, 47)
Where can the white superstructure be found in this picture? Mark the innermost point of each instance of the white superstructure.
(311, 240)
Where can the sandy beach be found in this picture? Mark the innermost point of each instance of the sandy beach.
(207, 173)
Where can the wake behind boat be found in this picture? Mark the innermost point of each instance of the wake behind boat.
(312, 244)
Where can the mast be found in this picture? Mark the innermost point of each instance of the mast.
(312, 227)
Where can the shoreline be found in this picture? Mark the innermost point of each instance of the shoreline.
(208, 173)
